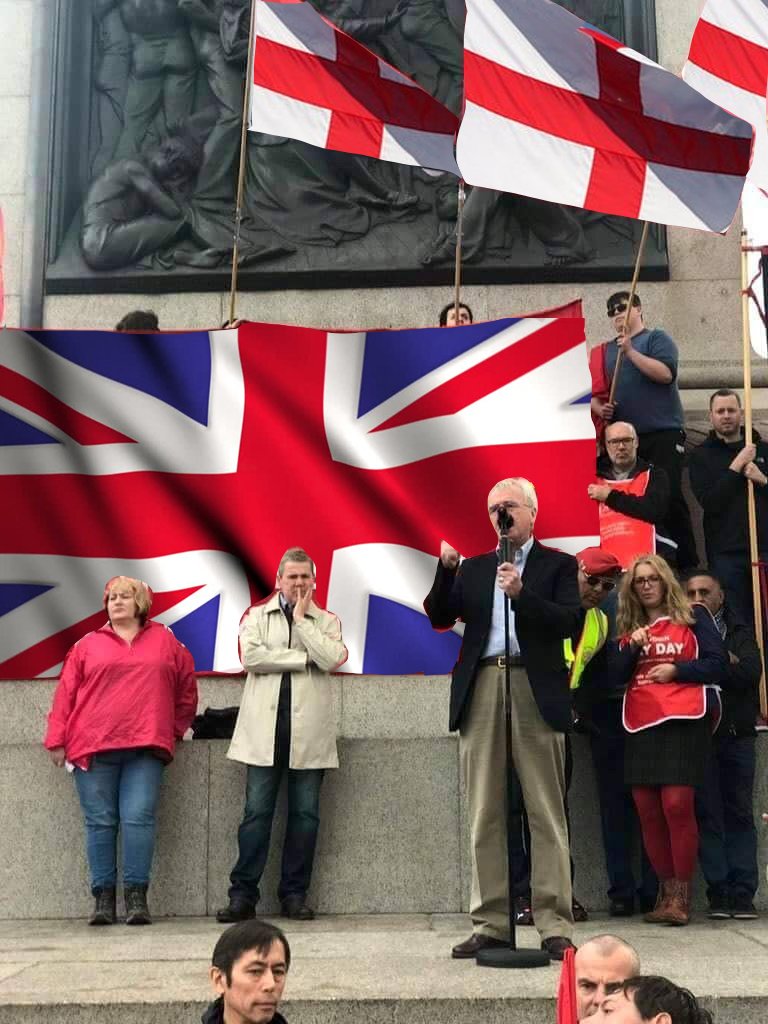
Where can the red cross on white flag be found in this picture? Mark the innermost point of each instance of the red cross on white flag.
(557, 110)
(313, 82)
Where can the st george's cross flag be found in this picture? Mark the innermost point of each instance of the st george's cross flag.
(728, 63)
(313, 82)
(195, 460)
(558, 110)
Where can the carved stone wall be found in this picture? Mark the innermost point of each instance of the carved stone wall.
(146, 141)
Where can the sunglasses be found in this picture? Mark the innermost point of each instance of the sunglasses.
(619, 307)
(600, 581)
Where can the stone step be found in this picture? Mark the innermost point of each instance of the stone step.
(378, 969)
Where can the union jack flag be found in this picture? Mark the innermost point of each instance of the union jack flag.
(193, 461)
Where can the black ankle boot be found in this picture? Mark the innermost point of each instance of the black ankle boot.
(136, 909)
(103, 907)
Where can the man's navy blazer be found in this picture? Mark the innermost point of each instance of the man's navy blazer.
(546, 612)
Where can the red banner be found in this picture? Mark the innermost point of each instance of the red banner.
(623, 536)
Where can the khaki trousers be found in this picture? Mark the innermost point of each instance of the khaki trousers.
(539, 758)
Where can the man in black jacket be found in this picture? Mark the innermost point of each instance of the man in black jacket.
(727, 834)
(719, 469)
(248, 970)
(542, 586)
(635, 488)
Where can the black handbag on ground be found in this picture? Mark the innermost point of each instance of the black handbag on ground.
(215, 724)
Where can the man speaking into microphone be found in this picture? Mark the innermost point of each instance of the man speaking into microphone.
(542, 585)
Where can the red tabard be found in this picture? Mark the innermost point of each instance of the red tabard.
(647, 703)
(623, 536)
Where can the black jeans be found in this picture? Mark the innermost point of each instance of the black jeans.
(618, 816)
(666, 448)
(727, 834)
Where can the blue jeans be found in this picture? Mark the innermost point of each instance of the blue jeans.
(727, 834)
(120, 790)
(254, 833)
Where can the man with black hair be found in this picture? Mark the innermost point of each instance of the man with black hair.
(646, 396)
(448, 315)
(651, 1000)
(719, 468)
(248, 971)
(727, 834)
(139, 320)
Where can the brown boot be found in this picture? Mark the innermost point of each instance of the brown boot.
(678, 910)
(659, 913)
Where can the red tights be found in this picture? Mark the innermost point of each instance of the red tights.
(670, 832)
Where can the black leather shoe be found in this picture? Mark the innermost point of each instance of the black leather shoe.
(523, 912)
(621, 908)
(236, 910)
(470, 947)
(296, 909)
(579, 912)
(556, 946)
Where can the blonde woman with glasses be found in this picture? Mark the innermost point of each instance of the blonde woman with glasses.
(671, 655)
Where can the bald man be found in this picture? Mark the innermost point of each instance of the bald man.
(603, 963)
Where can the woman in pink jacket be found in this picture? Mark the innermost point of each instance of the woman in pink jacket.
(127, 693)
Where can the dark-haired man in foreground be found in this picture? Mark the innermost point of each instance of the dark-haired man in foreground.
(248, 970)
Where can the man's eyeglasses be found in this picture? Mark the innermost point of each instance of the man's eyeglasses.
(600, 581)
(510, 506)
(616, 441)
(646, 581)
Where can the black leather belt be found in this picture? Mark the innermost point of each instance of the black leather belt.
(499, 661)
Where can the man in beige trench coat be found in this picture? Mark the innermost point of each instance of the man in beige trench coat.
(285, 726)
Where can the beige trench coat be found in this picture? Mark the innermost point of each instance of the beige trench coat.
(316, 649)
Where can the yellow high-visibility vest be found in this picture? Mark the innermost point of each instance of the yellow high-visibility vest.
(593, 637)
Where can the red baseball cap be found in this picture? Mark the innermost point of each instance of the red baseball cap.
(598, 562)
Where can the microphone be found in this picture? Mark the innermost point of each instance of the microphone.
(505, 521)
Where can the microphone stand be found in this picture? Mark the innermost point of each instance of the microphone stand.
(509, 956)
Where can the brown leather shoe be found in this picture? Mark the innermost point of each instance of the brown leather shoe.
(678, 910)
(659, 912)
(470, 947)
(556, 946)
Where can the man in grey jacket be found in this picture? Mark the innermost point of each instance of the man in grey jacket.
(285, 726)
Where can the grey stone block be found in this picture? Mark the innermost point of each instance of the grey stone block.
(43, 871)
(15, 48)
(378, 707)
(388, 835)
(188, 310)
(389, 840)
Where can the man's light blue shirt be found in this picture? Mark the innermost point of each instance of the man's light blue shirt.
(495, 645)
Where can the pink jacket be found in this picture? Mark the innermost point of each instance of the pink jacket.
(115, 696)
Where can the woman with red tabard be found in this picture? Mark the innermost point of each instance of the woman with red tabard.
(127, 693)
(672, 657)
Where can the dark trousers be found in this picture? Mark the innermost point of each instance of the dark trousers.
(301, 828)
(618, 816)
(521, 833)
(666, 448)
(727, 834)
(734, 570)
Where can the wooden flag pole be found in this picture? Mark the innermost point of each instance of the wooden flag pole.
(457, 271)
(751, 512)
(241, 169)
(632, 290)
